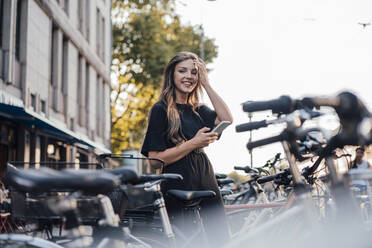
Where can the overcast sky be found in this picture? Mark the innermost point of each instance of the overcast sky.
(268, 48)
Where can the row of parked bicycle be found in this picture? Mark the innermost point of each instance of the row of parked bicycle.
(307, 204)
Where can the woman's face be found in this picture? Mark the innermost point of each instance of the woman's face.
(359, 154)
(185, 77)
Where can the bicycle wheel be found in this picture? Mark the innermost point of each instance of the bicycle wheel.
(23, 241)
(243, 219)
(154, 237)
(150, 241)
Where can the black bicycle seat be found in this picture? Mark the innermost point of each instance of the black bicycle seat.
(153, 177)
(47, 180)
(185, 196)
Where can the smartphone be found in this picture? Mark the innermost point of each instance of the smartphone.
(221, 126)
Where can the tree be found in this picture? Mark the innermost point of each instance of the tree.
(146, 34)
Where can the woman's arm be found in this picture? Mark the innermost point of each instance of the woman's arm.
(171, 155)
(222, 111)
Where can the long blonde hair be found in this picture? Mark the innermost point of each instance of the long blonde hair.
(168, 96)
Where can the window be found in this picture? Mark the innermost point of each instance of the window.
(18, 29)
(83, 12)
(65, 65)
(54, 53)
(65, 5)
(87, 19)
(43, 106)
(100, 34)
(33, 102)
(64, 76)
(1, 35)
(72, 124)
(87, 93)
(79, 96)
(98, 47)
(103, 38)
(103, 107)
(98, 106)
(80, 14)
(1, 22)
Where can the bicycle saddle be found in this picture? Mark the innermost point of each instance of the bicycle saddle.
(190, 196)
(154, 177)
(47, 180)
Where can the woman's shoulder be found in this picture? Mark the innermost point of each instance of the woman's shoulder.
(203, 108)
(159, 105)
(159, 108)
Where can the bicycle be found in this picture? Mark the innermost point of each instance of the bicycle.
(302, 216)
(161, 232)
(82, 182)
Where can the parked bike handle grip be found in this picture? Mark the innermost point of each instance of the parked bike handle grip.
(245, 169)
(266, 141)
(265, 179)
(283, 104)
(250, 126)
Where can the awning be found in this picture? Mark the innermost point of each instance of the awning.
(29, 118)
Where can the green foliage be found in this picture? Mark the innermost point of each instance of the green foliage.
(146, 35)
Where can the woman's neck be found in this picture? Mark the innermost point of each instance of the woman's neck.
(181, 98)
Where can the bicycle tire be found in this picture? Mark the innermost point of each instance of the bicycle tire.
(154, 243)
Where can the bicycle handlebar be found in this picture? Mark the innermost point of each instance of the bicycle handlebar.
(347, 105)
(251, 126)
(266, 141)
(266, 179)
(239, 168)
(283, 104)
(302, 115)
(246, 169)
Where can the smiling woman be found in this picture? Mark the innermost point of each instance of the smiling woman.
(185, 79)
(177, 133)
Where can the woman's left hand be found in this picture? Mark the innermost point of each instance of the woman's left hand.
(202, 72)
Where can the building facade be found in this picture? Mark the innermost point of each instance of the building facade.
(55, 58)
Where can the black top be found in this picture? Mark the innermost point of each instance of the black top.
(191, 123)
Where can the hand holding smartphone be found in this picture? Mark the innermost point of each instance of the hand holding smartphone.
(220, 127)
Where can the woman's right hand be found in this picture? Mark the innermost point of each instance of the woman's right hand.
(203, 138)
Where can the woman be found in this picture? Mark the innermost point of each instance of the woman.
(177, 132)
(360, 164)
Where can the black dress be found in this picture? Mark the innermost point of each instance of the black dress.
(195, 167)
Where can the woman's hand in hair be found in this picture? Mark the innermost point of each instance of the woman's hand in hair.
(203, 138)
(202, 72)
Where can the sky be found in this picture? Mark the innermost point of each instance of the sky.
(269, 48)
